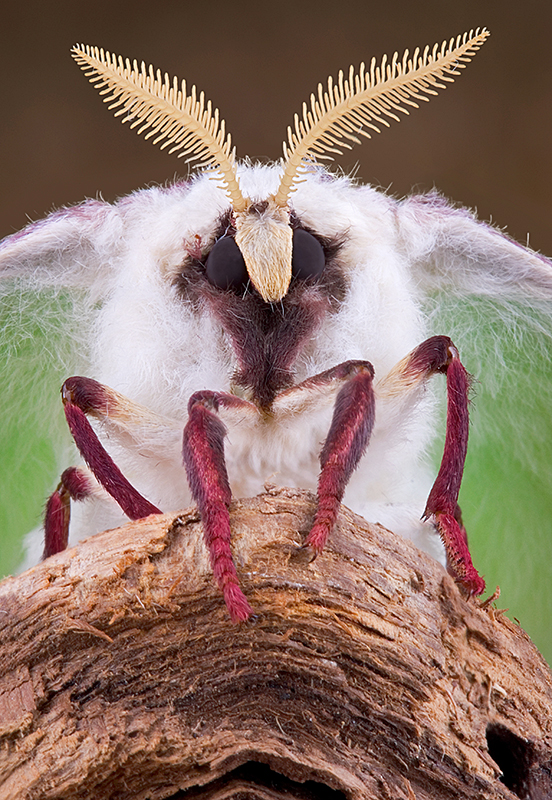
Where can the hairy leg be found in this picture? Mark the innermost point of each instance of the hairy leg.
(439, 355)
(83, 396)
(347, 440)
(203, 455)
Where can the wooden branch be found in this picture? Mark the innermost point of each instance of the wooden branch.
(365, 674)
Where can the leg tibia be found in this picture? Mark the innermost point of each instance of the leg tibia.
(439, 355)
(442, 504)
(347, 440)
(80, 397)
(203, 455)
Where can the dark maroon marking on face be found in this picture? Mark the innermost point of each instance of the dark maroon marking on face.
(267, 338)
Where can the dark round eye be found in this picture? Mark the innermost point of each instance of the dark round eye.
(225, 267)
(308, 260)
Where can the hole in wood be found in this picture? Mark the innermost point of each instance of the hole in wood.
(256, 780)
(515, 757)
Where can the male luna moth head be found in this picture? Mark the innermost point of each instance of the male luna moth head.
(337, 116)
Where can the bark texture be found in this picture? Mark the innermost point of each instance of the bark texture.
(365, 674)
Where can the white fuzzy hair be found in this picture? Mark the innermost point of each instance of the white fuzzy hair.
(98, 281)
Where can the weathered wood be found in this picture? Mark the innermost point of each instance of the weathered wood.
(365, 674)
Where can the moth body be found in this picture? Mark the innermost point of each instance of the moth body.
(156, 343)
(270, 323)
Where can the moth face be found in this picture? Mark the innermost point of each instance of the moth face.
(266, 337)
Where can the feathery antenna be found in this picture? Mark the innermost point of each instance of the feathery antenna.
(181, 121)
(368, 99)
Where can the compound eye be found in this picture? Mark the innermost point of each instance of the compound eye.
(308, 260)
(225, 267)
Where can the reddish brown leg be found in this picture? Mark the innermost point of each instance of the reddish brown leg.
(442, 504)
(347, 440)
(74, 485)
(82, 396)
(438, 354)
(203, 455)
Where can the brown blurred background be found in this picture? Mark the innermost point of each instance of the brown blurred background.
(484, 142)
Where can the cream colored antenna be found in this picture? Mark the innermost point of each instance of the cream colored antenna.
(181, 121)
(360, 103)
